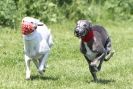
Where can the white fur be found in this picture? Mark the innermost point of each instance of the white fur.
(37, 46)
(90, 55)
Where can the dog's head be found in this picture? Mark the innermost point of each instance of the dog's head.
(28, 26)
(82, 27)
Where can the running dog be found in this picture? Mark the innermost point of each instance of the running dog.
(37, 44)
(95, 45)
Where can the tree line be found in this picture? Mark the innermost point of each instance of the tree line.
(51, 11)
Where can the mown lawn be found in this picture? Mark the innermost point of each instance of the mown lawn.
(67, 68)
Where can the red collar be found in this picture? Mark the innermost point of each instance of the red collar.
(88, 36)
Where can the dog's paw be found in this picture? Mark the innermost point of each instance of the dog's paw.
(28, 78)
(41, 72)
(94, 68)
(109, 55)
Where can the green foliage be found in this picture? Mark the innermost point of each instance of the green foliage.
(8, 12)
(51, 11)
(43, 9)
(120, 9)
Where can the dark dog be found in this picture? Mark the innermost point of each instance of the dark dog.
(95, 45)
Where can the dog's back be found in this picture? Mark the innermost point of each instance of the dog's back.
(97, 44)
(100, 34)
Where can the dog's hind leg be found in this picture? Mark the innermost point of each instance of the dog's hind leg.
(42, 62)
(100, 60)
(111, 53)
(100, 65)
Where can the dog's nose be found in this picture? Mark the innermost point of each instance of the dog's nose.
(76, 31)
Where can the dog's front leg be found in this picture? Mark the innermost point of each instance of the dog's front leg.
(100, 60)
(27, 64)
(96, 64)
(93, 69)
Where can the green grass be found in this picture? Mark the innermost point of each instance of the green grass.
(67, 67)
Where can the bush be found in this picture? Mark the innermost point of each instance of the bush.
(8, 12)
(51, 11)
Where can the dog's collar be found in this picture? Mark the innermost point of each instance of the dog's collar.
(88, 36)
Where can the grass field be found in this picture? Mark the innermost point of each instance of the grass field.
(67, 67)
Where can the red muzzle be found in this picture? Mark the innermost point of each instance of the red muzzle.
(27, 28)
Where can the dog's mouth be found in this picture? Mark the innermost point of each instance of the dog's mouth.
(27, 28)
(79, 34)
(80, 31)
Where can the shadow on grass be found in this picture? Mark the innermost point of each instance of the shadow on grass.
(102, 81)
(36, 77)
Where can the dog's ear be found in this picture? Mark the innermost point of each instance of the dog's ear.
(89, 24)
(34, 26)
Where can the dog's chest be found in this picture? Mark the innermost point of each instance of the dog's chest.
(31, 47)
(89, 53)
(37, 45)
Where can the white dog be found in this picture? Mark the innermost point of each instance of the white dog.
(37, 44)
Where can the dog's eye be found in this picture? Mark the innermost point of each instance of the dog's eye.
(85, 25)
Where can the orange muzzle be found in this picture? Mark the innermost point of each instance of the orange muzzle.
(27, 28)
